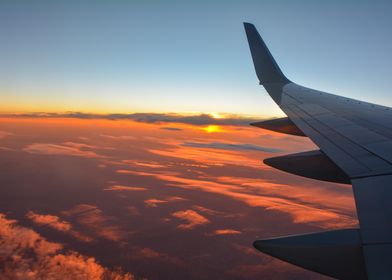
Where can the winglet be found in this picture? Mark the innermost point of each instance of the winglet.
(267, 70)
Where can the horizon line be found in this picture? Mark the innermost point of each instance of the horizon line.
(193, 119)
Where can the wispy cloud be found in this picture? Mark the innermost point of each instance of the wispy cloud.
(96, 222)
(67, 149)
(124, 188)
(56, 223)
(210, 157)
(232, 146)
(49, 220)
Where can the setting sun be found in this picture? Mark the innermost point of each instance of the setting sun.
(212, 129)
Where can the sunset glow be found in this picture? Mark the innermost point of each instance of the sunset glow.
(121, 182)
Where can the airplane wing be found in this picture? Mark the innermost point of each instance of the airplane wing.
(355, 141)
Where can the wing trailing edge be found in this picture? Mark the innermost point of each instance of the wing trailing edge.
(336, 253)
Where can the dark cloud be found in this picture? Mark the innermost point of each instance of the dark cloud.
(171, 128)
(232, 146)
(202, 119)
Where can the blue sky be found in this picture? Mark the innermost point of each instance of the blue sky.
(186, 56)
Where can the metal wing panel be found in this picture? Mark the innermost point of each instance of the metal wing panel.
(373, 200)
(346, 162)
(352, 139)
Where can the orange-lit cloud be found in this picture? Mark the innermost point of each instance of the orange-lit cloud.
(56, 223)
(208, 210)
(209, 156)
(145, 164)
(301, 211)
(302, 193)
(25, 254)
(192, 219)
(153, 202)
(67, 149)
(226, 232)
(124, 188)
(49, 220)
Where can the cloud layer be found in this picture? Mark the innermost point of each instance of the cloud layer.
(158, 203)
(201, 119)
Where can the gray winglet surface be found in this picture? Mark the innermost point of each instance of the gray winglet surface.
(267, 70)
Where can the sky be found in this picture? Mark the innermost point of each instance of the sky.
(125, 146)
(103, 199)
(186, 56)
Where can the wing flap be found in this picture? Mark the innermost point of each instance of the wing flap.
(311, 164)
(281, 125)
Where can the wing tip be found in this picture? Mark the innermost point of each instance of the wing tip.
(267, 70)
(246, 23)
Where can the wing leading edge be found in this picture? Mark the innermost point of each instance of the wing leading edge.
(355, 141)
